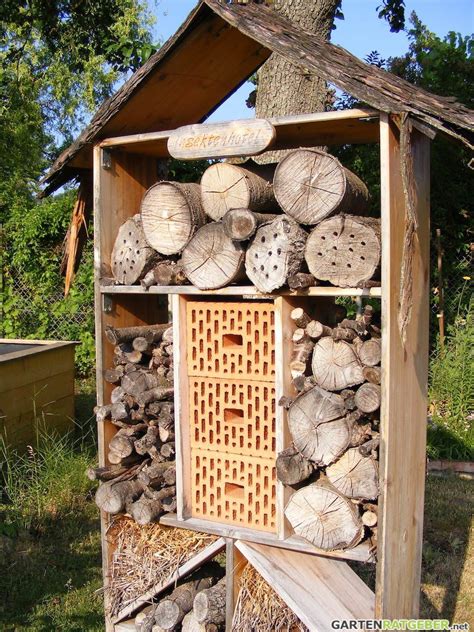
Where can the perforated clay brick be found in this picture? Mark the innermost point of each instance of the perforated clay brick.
(236, 490)
(231, 416)
(231, 340)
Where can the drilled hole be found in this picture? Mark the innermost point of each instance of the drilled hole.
(349, 265)
(335, 234)
(333, 263)
(323, 237)
(362, 243)
(351, 249)
(334, 247)
(279, 251)
(351, 236)
(320, 254)
(275, 267)
(262, 268)
(363, 258)
(256, 255)
(269, 253)
(263, 240)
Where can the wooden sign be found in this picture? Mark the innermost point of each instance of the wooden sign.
(221, 140)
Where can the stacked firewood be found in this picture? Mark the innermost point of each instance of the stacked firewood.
(196, 605)
(298, 224)
(334, 425)
(141, 476)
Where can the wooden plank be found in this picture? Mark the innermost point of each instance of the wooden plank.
(35, 367)
(360, 553)
(317, 589)
(221, 140)
(195, 562)
(320, 128)
(241, 290)
(404, 384)
(181, 421)
(235, 563)
(42, 346)
(126, 626)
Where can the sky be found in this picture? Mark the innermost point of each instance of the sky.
(360, 32)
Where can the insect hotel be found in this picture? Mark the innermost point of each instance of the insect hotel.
(261, 449)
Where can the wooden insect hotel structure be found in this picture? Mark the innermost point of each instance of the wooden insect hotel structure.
(241, 410)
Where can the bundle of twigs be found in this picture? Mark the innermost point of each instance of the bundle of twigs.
(146, 555)
(260, 609)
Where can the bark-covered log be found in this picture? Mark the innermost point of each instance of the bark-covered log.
(292, 467)
(370, 352)
(106, 473)
(301, 281)
(325, 517)
(226, 186)
(335, 365)
(112, 497)
(275, 253)
(113, 376)
(301, 358)
(153, 333)
(360, 433)
(311, 185)
(210, 604)
(344, 250)
(171, 213)
(369, 447)
(171, 611)
(316, 330)
(368, 397)
(154, 474)
(149, 439)
(211, 260)
(147, 510)
(300, 317)
(166, 272)
(318, 427)
(131, 256)
(355, 476)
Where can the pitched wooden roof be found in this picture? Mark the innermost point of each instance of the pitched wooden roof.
(216, 49)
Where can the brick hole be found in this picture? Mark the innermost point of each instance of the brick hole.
(233, 415)
(232, 340)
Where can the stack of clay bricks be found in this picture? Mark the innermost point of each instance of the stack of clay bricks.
(231, 382)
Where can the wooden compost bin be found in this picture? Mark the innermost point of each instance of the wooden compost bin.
(36, 389)
(124, 168)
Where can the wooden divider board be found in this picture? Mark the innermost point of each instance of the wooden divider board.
(404, 384)
(317, 589)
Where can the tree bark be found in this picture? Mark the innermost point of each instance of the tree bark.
(171, 611)
(285, 89)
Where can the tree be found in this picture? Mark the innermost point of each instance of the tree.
(283, 89)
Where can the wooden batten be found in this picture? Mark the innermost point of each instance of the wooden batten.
(404, 384)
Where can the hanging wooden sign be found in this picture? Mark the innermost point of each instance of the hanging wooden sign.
(221, 140)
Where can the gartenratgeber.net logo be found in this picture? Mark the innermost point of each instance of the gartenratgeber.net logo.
(364, 625)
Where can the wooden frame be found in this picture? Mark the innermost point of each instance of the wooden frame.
(118, 189)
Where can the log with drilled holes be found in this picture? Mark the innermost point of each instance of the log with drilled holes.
(325, 517)
(132, 256)
(240, 224)
(336, 365)
(225, 186)
(311, 185)
(355, 476)
(275, 253)
(345, 250)
(212, 260)
(171, 213)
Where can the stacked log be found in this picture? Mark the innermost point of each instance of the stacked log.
(140, 477)
(204, 233)
(334, 424)
(197, 604)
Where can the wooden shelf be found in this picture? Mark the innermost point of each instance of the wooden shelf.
(241, 290)
(318, 590)
(360, 553)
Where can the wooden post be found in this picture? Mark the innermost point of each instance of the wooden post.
(440, 289)
(404, 384)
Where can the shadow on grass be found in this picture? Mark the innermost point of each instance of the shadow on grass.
(48, 578)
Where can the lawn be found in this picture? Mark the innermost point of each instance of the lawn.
(50, 574)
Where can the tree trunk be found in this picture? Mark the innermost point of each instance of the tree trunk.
(283, 88)
(209, 604)
(355, 476)
(226, 186)
(131, 256)
(336, 365)
(311, 185)
(171, 213)
(275, 253)
(345, 250)
(323, 516)
(241, 224)
(211, 260)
